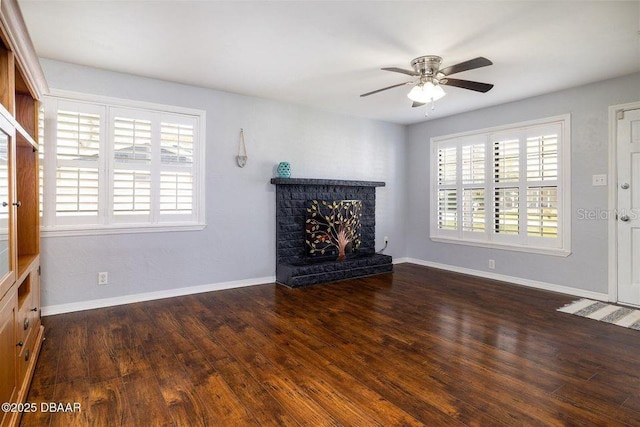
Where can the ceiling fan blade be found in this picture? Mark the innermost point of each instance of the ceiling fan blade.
(384, 88)
(417, 104)
(401, 70)
(467, 84)
(467, 65)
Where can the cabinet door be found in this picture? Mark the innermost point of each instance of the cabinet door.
(8, 368)
(7, 228)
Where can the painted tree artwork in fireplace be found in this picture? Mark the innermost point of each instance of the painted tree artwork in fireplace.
(333, 228)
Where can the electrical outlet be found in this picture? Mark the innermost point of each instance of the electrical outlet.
(599, 180)
(103, 278)
(492, 264)
(386, 239)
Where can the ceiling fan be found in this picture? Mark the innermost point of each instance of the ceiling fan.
(430, 77)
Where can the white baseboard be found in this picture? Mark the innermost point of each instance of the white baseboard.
(148, 296)
(169, 293)
(515, 280)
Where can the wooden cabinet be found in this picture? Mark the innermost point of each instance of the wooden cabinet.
(8, 373)
(21, 332)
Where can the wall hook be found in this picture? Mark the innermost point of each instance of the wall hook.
(241, 158)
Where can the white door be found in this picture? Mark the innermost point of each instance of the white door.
(628, 214)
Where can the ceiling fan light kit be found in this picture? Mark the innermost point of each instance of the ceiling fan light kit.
(427, 88)
(426, 92)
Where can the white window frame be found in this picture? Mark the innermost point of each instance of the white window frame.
(488, 239)
(107, 223)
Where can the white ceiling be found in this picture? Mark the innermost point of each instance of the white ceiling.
(326, 53)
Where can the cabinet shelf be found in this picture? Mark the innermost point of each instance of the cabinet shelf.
(25, 264)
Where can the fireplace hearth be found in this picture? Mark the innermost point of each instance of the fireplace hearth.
(301, 237)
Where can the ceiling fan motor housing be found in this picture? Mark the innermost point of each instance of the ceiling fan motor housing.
(427, 66)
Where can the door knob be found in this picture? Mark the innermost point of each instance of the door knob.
(624, 218)
(624, 186)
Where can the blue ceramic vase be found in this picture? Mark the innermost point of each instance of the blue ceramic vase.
(284, 170)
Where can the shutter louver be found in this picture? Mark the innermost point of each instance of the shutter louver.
(76, 191)
(131, 141)
(176, 193)
(542, 211)
(447, 210)
(131, 192)
(176, 143)
(542, 158)
(506, 211)
(473, 160)
(506, 160)
(447, 166)
(473, 210)
(78, 136)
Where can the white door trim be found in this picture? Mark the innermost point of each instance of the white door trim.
(613, 199)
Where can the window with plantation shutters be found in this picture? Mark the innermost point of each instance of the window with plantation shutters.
(108, 166)
(504, 187)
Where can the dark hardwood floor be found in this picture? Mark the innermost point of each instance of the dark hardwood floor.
(419, 347)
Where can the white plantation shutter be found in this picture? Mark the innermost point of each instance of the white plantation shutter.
(77, 191)
(447, 165)
(473, 163)
(542, 211)
(542, 157)
(542, 202)
(176, 143)
(79, 135)
(447, 210)
(132, 159)
(120, 167)
(506, 211)
(176, 193)
(131, 192)
(504, 187)
(506, 160)
(473, 210)
(473, 192)
(177, 167)
(447, 202)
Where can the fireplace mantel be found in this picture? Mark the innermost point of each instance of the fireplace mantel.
(293, 267)
(314, 181)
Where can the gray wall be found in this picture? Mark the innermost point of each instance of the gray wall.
(586, 267)
(239, 241)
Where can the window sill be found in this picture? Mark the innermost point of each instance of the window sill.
(517, 248)
(62, 231)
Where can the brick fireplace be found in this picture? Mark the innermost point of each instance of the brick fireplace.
(294, 265)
